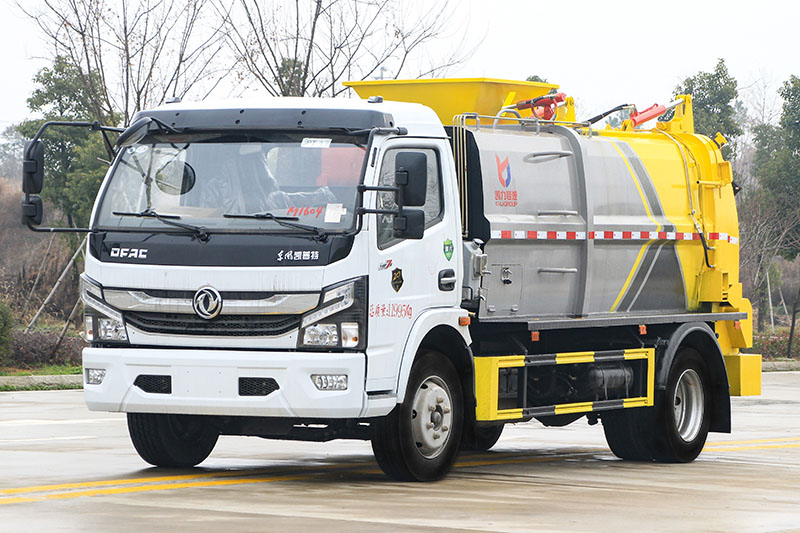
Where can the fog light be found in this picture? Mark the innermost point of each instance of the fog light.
(95, 376)
(111, 330)
(330, 381)
(321, 335)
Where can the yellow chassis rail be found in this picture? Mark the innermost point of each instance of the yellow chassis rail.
(487, 383)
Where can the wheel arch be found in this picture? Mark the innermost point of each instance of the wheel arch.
(439, 330)
(701, 337)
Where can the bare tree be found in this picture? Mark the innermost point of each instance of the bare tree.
(134, 54)
(308, 47)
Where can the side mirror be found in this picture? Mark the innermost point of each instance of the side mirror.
(409, 224)
(33, 167)
(32, 210)
(135, 132)
(411, 176)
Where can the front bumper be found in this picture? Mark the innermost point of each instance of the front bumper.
(206, 382)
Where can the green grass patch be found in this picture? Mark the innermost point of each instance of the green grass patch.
(12, 388)
(44, 370)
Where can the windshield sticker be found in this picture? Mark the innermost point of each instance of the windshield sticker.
(298, 255)
(334, 213)
(447, 247)
(391, 310)
(305, 211)
(138, 149)
(310, 142)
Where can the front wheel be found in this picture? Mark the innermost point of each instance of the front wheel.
(419, 439)
(172, 440)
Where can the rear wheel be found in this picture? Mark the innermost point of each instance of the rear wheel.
(684, 416)
(675, 429)
(419, 439)
(172, 440)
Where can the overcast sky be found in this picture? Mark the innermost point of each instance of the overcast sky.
(602, 52)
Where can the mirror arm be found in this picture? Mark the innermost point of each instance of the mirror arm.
(95, 126)
(59, 230)
(109, 147)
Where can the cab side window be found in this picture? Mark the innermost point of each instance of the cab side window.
(433, 199)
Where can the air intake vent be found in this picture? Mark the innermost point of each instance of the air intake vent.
(257, 386)
(154, 384)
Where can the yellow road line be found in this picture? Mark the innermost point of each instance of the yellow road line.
(758, 441)
(146, 484)
(147, 488)
(745, 448)
(241, 477)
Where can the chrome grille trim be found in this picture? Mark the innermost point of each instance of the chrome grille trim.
(278, 304)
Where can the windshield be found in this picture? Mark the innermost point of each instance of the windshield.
(207, 179)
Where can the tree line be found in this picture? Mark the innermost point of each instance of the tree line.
(112, 58)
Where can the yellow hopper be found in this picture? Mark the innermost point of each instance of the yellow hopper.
(450, 97)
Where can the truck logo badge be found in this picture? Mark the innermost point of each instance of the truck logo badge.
(447, 247)
(207, 302)
(133, 253)
(397, 279)
(503, 167)
(386, 264)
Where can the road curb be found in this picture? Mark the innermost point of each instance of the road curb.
(41, 381)
(780, 366)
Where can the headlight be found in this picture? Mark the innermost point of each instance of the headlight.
(334, 300)
(338, 320)
(101, 321)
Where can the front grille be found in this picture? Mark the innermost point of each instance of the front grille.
(223, 326)
(257, 386)
(154, 384)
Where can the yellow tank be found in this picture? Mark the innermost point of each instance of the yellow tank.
(667, 180)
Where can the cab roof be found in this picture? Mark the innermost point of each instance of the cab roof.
(304, 114)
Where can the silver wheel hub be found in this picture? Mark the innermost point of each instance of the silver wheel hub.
(688, 405)
(431, 417)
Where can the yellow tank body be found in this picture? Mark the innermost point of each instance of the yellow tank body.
(692, 182)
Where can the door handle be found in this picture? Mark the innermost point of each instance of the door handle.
(447, 280)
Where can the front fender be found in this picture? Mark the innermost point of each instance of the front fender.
(424, 323)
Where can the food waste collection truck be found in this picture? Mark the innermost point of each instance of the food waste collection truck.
(416, 269)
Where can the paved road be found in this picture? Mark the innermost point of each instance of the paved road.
(67, 469)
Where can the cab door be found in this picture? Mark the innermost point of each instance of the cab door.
(409, 276)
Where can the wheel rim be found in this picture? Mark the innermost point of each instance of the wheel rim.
(431, 417)
(688, 405)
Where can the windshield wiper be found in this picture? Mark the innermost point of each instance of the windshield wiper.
(199, 231)
(284, 221)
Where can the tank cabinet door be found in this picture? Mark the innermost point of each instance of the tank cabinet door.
(534, 200)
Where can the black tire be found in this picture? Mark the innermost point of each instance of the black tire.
(178, 441)
(629, 433)
(405, 446)
(675, 429)
(685, 414)
(480, 438)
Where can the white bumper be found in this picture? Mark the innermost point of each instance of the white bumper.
(207, 382)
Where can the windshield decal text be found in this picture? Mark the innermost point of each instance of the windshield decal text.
(305, 211)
